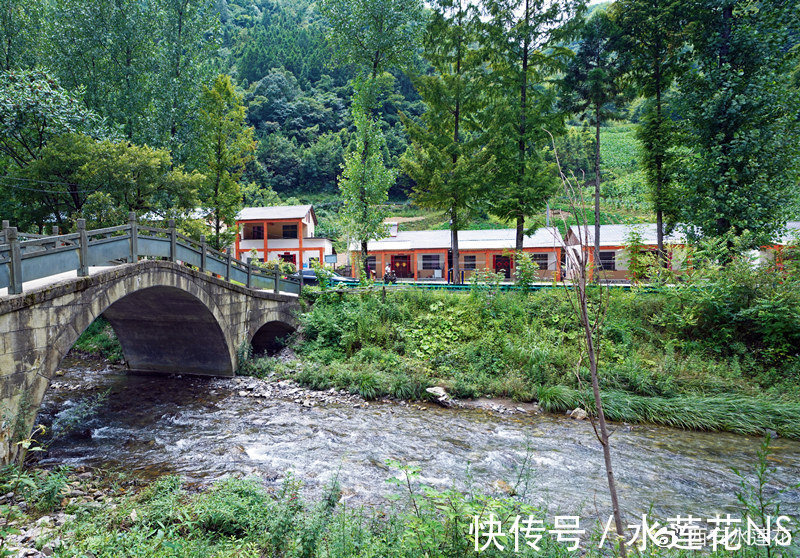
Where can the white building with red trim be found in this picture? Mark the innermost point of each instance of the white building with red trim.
(284, 232)
(428, 254)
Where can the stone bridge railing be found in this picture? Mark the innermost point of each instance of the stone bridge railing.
(27, 257)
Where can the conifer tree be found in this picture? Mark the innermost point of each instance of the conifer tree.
(653, 36)
(740, 120)
(445, 155)
(521, 40)
(593, 84)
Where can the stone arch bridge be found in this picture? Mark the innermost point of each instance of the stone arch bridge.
(181, 311)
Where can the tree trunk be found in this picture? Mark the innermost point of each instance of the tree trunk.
(523, 106)
(597, 191)
(601, 418)
(454, 224)
(364, 255)
(520, 233)
(454, 242)
(659, 157)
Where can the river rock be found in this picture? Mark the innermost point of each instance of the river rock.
(442, 398)
(579, 414)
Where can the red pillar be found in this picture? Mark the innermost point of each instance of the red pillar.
(238, 251)
(300, 238)
(264, 227)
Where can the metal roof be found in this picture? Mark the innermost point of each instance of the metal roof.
(618, 235)
(276, 212)
(485, 239)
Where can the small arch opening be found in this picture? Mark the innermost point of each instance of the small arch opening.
(271, 338)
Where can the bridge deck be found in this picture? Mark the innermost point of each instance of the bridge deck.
(59, 277)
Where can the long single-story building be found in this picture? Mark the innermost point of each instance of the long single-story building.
(281, 232)
(614, 257)
(428, 255)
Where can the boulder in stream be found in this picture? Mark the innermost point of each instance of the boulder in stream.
(579, 414)
(442, 398)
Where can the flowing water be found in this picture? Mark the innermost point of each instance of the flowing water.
(202, 429)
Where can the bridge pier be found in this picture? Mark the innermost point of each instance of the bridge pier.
(168, 318)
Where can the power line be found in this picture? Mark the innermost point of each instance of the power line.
(59, 182)
(17, 187)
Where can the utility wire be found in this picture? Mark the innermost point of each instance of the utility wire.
(27, 189)
(58, 182)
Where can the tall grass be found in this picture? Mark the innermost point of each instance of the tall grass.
(742, 415)
(527, 347)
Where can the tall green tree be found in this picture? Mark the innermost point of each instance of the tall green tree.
(74, 170)
(188, 42)
(373, 37)
(365, 180)
(445, 157)
(594, 88)
(521, 39)
(34, 107)
(109, 47)
(20, 34)
(225, 147)
(653, 38)
(142, 62)
(740, 119)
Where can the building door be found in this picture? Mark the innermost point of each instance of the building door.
(502, 264)
(402, 266)
(289, 258)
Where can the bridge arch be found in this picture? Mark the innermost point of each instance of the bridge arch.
(169, 318)
(269, 338)
(267, 330)
(167, 329)
(163, 323)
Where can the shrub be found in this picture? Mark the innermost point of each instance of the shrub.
(49, 490)
(233, 507)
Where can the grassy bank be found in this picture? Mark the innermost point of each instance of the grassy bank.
(664, 359)
(101, 515)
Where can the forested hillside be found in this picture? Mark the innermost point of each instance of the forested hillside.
(110, 107)
(297, 98)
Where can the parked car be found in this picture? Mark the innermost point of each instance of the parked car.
(310, 278)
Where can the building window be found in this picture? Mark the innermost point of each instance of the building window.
(431, 261)
(371, 262)
(257, 232)
(542, 260)
(470, 262)
(290, 231)
(288, 258)
(608, 261)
